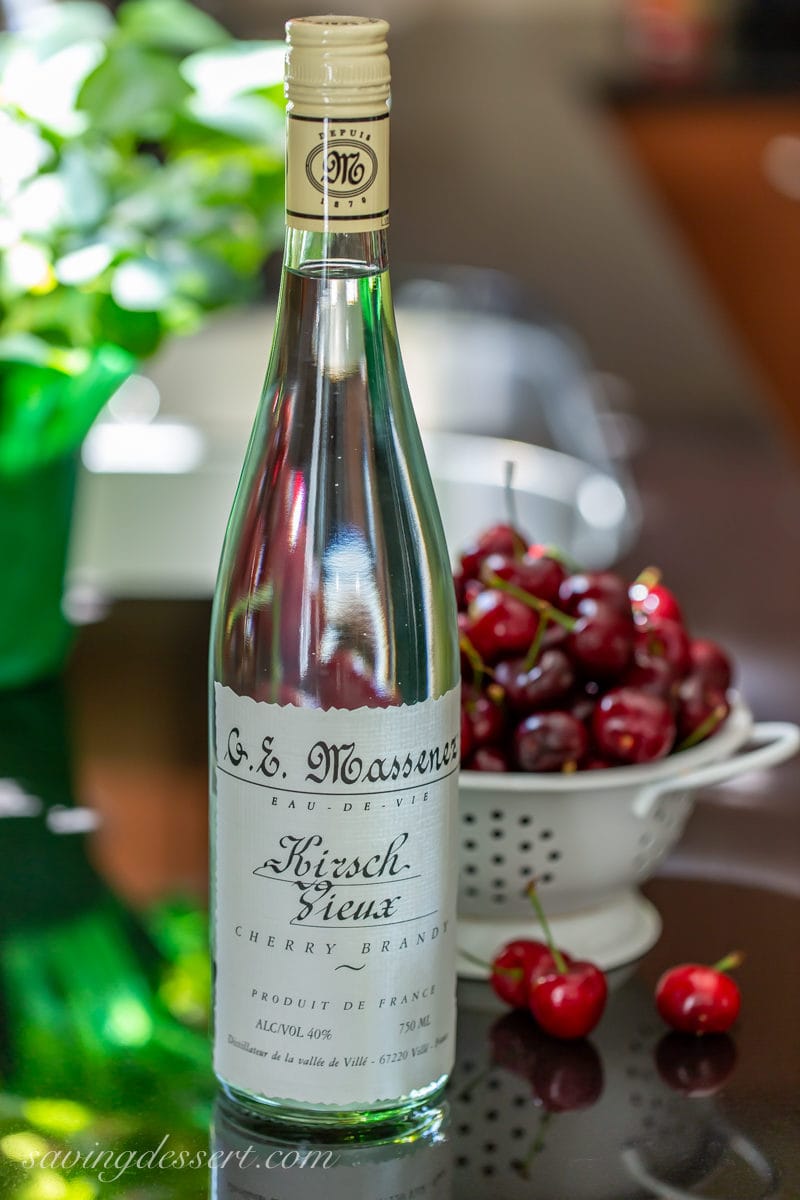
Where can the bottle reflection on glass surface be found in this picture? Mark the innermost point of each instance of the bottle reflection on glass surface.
(249, 1161)
(630, 1113)
(91, 1056)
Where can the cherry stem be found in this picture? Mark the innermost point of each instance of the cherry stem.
(475, 660)
(648, 578)
(490, 967)
(730, 962)
(714, 718)
(558, 957)
(540, 606)
(532, 657)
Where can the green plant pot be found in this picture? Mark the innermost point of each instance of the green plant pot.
(35, 520)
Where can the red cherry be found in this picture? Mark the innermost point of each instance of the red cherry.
(605, 586)
(694, 1066)
(693, 998)
(458, 586)
(594, 763)
(466, 736)
(569, 1000)
(583, 700)
(602, 640)
(537, 576)
(660, 637)
(555, 637)
(655, 600)
(500, 625)
(515, 967)
(550, 741)
(472, 588)
(487, 719)
(702, 708)
(548, 680)
(569, 1004)
(710, 662)
(489, 758)
(651, 673)
(633, 727)
(499, 539)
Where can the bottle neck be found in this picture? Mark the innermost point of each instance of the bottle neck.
(337, 187)
(335, 254)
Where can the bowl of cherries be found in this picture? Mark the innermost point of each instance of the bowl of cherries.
(590, 713)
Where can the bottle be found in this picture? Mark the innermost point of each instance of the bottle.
(334, 660)
(250, 1159)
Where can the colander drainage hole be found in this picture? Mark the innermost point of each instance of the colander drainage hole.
(469, 818)
(498, 859)
(470, 845)
(554, 855)
(497, 815)
(525, 820)
(472, 891)
(546, 834)
(524, 846)
(498, 833)
(470, 869)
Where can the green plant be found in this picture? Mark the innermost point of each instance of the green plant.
(140, 187)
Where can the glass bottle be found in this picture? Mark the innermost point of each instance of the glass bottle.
(334, 660)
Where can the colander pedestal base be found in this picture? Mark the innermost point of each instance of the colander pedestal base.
(611, 935)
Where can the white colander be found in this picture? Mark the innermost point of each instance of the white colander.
(589, 839)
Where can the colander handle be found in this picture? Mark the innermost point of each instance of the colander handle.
(776, 741)
(741, 1146)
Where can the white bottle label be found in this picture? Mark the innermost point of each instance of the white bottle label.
(336, 871)
(337, 173)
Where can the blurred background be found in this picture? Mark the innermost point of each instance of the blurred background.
(595, 248)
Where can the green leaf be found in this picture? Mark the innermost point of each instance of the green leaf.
(24, 348)
(135, 92)
(249, 118)
(170, 25)
(138, 332)
(64, 317)
(141, 285)
(60, 25)
(236, 68)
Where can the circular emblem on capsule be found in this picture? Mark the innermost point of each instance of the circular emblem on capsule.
(343, 168)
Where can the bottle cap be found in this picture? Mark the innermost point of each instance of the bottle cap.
(337, 59)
